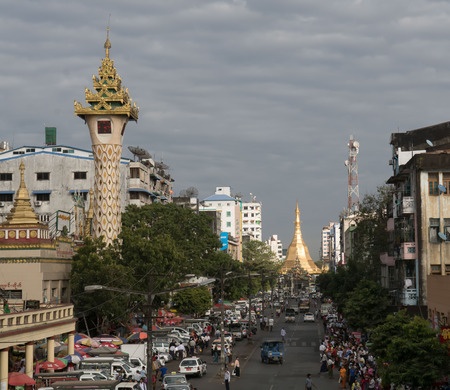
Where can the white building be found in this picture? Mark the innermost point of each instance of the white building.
(276, 246)
(230, 211)
(60, 177)
(251, 219)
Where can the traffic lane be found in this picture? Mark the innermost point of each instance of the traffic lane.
(214, 378)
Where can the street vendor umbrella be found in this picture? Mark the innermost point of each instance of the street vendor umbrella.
(20, 379)
(89, 342)
(138, 336)
(108, 344)
(74, 358)
(58, 364)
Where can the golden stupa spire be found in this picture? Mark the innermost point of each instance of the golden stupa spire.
(22, 213)
(107, 43)
(297, 255)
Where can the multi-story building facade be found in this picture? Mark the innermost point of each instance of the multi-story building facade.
(231, 218)
(276, 246)
(417, 266)
(60, 177)
(252, 219)
(330, 247)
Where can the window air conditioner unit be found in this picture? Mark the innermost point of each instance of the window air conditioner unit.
(2, 204)
(38, 203)
(391, 162)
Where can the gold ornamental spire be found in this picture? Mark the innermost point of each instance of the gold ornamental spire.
(297, 255)
(22, 213)
(109, 98)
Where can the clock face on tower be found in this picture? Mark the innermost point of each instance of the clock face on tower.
(104, 127)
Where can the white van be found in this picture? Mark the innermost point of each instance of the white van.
(109, 365)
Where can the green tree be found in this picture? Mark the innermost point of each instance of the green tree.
(366, 305)
(158, 246)
(409, 352)
(94, 263)
(193, 301)
(162, 243)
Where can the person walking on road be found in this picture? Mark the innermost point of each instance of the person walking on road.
(237, 367)
(227, 378)
(270, 324)
(309, 383)
(283, 334)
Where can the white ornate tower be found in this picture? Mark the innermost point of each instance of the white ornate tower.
(108, 112)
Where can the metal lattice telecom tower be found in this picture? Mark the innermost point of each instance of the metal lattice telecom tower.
(352, 170)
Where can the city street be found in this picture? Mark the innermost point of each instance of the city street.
(302, 357)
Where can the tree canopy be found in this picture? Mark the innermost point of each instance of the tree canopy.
(408, 351)
(159, 245)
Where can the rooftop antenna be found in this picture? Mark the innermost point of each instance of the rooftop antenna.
(352, 171)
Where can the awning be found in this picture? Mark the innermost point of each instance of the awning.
(78, 191)
(138, 189)
(37, 192)
(7, 192)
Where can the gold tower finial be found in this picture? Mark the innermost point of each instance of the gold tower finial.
(107, 45)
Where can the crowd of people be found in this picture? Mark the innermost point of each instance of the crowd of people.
(345, 356)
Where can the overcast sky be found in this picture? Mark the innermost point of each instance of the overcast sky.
(258, 95)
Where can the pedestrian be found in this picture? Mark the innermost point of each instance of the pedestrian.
(343, 377)
(270, 324)
(309, 383)
(330, 366)
(237, 367)
(283, 334)
(215, 353)
(227, 378)
(142, 384)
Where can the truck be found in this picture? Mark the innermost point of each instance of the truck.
(325, 309)
(289, 315)
(303, 306)
(272, 351)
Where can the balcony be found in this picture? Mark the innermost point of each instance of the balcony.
(387, 260)
(408, 250)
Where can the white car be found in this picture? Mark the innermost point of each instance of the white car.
(192, 366)
(308, 317)
(173, 379)
(94, 376)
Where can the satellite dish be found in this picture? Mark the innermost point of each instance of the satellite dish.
(442, 188)
(356, 144)
(140, 152)
(442, 236)
(429, 142)
(408, 283)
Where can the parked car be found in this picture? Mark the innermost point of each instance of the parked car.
(172, 380)
(192, 366)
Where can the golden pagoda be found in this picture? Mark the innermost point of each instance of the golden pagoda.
(298, 258)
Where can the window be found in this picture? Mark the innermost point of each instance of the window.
(5, 176)
(80, 175)
(433, 182)
(134, 195)
(43, 176)
(6, 197)
(134, 173)
(228, 224)
(446, 182)
(228, 213)
(13, 294)
(43, 197)
(80, 195)
(447, 228)
(434, 230)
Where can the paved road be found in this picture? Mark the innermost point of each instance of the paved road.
(302, 357)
